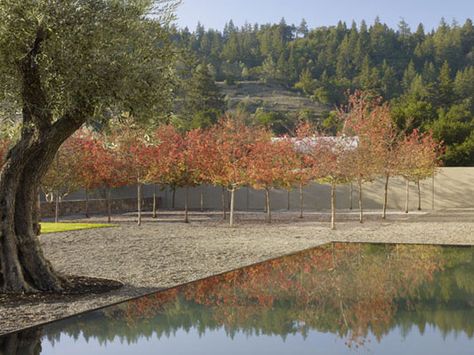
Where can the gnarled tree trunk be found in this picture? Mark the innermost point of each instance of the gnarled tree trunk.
(23, 266)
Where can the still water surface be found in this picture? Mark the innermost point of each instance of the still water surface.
(336, 299)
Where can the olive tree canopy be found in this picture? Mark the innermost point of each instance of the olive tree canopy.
(64, 63)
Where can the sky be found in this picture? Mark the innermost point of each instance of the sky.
(215, 13)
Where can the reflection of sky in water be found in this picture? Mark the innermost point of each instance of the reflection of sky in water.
(217, 342)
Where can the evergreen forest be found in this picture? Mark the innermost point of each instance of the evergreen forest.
(427, 76)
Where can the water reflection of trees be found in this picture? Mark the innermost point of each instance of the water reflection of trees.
(351, 290)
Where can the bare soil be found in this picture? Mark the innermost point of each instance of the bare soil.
(166, 252)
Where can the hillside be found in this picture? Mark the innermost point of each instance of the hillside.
(270, 97)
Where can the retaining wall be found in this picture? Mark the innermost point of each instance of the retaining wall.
(450, 188)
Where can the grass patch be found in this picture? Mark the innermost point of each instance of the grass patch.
(66, 227)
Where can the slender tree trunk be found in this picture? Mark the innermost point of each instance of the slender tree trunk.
(419, 194)
(264, 203)
(385, 197)
(232, 203)
(56, 200)
(288, 207)
(301, 201)
(109, 204)
(361, 209)
(155, 215)
(87, 204)
(186, 213)
(350, 197)
(433, 193)
(407, 195)
(247, 200)
(333, 206)
(56, 207)
(173, 198)
(268, 206)
(224, 213)
(201, 198)
(139, 204)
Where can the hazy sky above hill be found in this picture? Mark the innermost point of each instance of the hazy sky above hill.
(215, 13)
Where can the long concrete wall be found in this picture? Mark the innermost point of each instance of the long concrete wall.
(451, 188)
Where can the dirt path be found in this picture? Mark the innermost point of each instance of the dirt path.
(167, 252)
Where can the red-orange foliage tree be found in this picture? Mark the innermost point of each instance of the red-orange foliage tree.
(166, 147)
(368, 121)
(334, 165)
(190, 164)
(308, 161)
(271, 165)
(207, 154)
(62, 177)
(132, 147)
(88, 179)
(418, 158)
(177, 160)
(229, 145)
(108, 169)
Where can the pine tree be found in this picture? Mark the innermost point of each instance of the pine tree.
(388, 81)
(408, 76)
(205, 102)
(303, 29)
(306, 83)
(269, 70)
(464, 84)
(445, 86)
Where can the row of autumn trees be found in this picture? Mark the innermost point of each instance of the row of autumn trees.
(232, 154)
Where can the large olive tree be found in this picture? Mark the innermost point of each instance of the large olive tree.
(64, 63)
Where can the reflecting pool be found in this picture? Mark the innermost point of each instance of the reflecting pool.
(336, 299)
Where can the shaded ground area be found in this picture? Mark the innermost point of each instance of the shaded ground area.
(166, 252)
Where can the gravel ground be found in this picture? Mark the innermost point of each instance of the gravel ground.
(165, 252)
